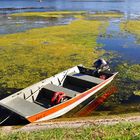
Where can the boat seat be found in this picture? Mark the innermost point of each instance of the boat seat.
(83, 79)
(24, 107)
(54, 88)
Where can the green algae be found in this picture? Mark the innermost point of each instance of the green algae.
(31, 56)
(132, 26)
(128, 80)
(137, 92)
(76, 14)
(36, 54)
(130, 72)
(107, 15)
(50, 14)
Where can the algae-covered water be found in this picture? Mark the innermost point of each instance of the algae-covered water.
(121, 42)
(31, 44)
(9, 25)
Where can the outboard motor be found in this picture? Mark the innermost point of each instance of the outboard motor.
(101, 65)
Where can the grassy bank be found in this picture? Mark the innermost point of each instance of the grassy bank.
(33, 55)
(123, 131)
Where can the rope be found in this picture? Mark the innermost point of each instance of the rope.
(5, 119)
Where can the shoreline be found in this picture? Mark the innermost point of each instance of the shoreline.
(70, 124)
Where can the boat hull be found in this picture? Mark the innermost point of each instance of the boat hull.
(82, 109)
(67, 106)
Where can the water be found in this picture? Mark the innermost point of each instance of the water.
(128, 7)
(10, 25)
(122, 43)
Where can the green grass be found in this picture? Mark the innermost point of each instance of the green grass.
(121, 131)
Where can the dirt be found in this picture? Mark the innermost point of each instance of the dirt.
(69, 124)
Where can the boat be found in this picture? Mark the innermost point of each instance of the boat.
(54, 96)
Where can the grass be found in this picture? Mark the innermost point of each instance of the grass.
(33, 55)
(123, 131)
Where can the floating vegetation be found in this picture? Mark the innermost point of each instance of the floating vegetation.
(129, 78)
(130, 72)
(132, 26)
(76, 14)
(36, 54)
(50, 14)
(107, 15)
(137, 92)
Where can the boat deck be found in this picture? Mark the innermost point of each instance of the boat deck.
(24, 107)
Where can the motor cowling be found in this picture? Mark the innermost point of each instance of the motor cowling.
(101, 65)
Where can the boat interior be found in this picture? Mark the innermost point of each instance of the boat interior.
(73, 84)
(39, 97)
